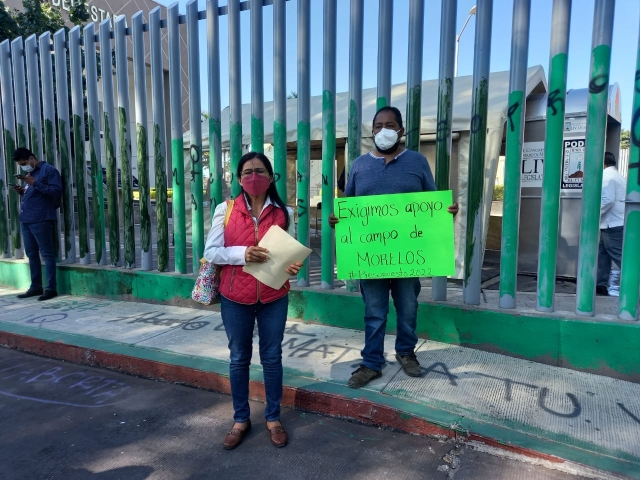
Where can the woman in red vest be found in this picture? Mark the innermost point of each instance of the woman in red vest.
(244, 299)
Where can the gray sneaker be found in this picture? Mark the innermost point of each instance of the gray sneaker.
(410, 364)
(362, 376)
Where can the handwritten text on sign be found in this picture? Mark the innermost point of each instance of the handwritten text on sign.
(395, 236)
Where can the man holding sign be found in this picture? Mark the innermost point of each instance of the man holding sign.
(381, 266)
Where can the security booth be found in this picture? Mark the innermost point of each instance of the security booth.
(575, 129)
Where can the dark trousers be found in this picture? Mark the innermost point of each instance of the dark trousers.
(610, 248)
(38, 240)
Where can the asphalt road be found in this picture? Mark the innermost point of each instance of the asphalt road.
(63, 421)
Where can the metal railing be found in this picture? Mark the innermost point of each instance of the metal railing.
(22, 125)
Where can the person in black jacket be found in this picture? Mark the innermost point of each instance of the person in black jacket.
(40, 196)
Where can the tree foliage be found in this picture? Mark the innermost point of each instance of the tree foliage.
(624, 139)
(38, 17)
(8, 26)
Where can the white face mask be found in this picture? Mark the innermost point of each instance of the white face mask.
(27, 168)
(386, 138)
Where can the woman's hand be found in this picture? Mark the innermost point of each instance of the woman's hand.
(453, 209)
(333, 220)
(256, 255)
(294, 268)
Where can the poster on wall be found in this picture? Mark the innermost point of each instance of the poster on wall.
(532, 164)
(573, 164)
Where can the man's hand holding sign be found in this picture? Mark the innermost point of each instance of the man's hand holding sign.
(394, 236)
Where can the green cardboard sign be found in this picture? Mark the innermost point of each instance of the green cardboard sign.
(395, 236)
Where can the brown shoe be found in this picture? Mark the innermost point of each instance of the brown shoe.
(278, 436)
(235, 436)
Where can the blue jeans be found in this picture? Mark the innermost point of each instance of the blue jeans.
(239, 320)
(38, 240)
(375, 294)
(610, 248)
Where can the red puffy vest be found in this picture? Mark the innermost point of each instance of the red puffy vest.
(241, 230)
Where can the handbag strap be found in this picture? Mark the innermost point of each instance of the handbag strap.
(228, 214)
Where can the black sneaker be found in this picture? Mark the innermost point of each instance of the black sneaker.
(48, 294)
(602, 290)
(410, 364)
(362, 376)
(30, 293)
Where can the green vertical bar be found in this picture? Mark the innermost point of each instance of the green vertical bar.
(550, 203)
(477, 151)
(50, 158)
(381, 102)
(112, 193)
(592, 186)
(257, 134)
(412, 130)
(162, 222)
(303, 177)
(81, 191)
(97, 191)
(215, 174)
(630, 269)
(328, 161)
(127, 192)
(235, 144)
(353, 152)
(179, 225)
(280, 158)
(197, 215)
(14, 198)
(443, 142)
(511, 214)
(67, 191)
(142, 148)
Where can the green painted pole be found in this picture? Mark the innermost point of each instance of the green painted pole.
(235, 94)
(257, 76)
(109, 127)
(513, 161)
(550, 205)
(5, 234)
(79, 162)
(142, 139)
(594, 156)
(445, 106)
(385, 40)
(64, 137)
(177, 143)
(159, 138)
(414, 75)
(7, 122)
(630, 269)
(93, 110)
(280, 98)
(304, 131)
(124, 142)
(22, 122)
(215, 130)
(354, 140)
(328, 142)
(195, 129)
(49, 116)
(474, 230)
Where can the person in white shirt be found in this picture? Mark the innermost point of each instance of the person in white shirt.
(614, 188)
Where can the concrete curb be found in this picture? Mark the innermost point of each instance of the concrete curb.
(367, 407)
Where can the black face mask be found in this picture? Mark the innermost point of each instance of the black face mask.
(389, 150)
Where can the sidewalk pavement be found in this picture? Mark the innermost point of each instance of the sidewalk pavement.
(528, 408)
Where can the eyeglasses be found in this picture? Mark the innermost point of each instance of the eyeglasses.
(259, 171)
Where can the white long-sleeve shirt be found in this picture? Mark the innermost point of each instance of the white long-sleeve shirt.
(614, 191)
(216, 252)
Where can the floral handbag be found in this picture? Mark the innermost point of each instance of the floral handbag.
(207, 287)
